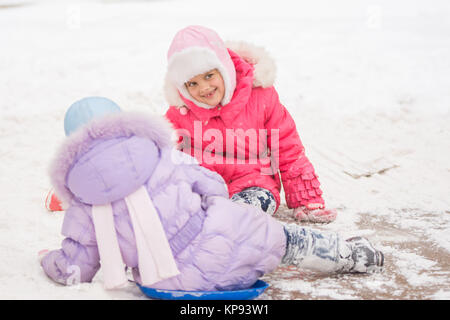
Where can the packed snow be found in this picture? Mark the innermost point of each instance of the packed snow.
(367, 83)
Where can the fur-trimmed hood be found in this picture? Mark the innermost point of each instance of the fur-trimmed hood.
(263, 64)
(99, 134)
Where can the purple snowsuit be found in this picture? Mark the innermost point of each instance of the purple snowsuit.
(217, 244)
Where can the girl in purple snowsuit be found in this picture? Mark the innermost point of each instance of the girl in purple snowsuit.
(135, 201)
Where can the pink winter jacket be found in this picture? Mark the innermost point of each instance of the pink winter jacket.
(254, 116)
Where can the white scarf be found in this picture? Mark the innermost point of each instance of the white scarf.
(155, 259)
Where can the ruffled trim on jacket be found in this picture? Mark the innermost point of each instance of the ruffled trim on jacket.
(301, 184)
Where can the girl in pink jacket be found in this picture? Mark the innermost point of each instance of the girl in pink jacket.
(228, 116)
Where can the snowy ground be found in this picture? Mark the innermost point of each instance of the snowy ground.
(366, 81)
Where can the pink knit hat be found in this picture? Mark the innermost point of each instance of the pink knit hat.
(195, 50)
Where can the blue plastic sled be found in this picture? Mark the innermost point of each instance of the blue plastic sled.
(245, 294)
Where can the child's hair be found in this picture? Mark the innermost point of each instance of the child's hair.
(86, 109)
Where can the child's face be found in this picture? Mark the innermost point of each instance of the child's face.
(207, 87)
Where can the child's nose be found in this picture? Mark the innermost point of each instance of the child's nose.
(204, 86)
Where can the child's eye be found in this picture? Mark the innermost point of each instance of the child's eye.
(209, 76)
(192, 84)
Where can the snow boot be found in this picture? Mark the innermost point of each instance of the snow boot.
(328, 252)
(365, 257)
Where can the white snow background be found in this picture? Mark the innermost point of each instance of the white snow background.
(367, 82)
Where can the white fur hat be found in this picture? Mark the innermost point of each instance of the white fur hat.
(196, 50)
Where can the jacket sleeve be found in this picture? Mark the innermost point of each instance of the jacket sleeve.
(78, 260)
(172, 115)
(300, 182)
(204, 181)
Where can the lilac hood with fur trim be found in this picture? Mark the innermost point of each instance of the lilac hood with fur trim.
(217, 244)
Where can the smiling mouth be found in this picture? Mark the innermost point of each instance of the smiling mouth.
(209, 95)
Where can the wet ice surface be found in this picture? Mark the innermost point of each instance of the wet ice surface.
(367, 85)
(415, 268)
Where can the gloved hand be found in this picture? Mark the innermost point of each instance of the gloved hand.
(315, 212)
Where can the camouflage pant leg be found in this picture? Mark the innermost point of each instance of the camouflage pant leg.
(316, 250)
(258, 197)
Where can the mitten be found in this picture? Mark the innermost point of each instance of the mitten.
(315, 212)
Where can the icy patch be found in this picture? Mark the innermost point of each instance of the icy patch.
(441, 295)
(416, 269)
(320, 289)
